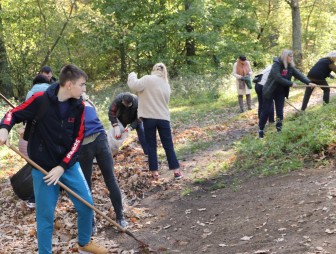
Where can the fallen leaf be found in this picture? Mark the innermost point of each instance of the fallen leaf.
(246, 238)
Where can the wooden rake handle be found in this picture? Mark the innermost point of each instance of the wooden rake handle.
(6, 100)
(304, 86)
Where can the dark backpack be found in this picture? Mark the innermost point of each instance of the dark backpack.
(257, 78)
(22, 182)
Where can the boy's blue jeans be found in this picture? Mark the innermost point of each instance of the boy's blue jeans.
(46, 199)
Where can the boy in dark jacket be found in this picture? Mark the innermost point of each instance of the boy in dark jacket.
(124, 110)
(54, 146)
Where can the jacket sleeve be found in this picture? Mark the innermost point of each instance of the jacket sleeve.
(113, 109)
(72, 156)
(135, 123)
(234, 71)
(136, 84)
(23, 112)
(250, 72)
(298, 75)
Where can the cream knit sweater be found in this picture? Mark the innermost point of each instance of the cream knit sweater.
(153, 95)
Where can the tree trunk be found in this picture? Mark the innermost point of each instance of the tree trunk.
(296, 33)
(123, 64)
(5, 85)
(190, 42)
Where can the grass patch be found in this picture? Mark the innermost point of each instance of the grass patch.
(191, 147)
(303, 138)
(186, 192)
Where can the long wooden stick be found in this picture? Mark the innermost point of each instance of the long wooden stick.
(5, 99)
(121, 229)
(303, 86)
(31, 162)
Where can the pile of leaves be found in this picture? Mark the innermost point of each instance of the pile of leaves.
(17, 221)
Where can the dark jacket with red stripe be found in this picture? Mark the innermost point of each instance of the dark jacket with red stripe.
(55, 140)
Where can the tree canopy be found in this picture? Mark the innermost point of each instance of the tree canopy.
(110, 38)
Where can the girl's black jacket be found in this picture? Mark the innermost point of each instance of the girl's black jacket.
(55, 140)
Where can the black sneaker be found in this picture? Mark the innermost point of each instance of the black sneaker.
(261, 134)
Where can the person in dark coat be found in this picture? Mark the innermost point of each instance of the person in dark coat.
(318, 74)
(124, 110)
(277, 88)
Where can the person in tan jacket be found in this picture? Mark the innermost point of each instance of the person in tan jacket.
(241, 70)
(153, 94)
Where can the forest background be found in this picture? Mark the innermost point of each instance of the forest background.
(198, 40)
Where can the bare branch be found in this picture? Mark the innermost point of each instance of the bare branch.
(73, 3)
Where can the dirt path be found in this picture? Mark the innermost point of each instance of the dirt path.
(293, 213)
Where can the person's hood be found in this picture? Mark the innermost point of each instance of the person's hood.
(37, 87)
(277, 60)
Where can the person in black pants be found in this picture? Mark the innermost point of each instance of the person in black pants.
(318, 74)
(95, 145)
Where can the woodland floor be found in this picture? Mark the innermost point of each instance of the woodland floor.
(293, 213)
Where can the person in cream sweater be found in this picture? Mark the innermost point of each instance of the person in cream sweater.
(153, 94)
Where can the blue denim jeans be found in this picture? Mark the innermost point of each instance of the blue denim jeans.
(164, 130)
(142, 139)
(46, 197)
(100, 150)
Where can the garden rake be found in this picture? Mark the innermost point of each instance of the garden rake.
(121, 229)
(143, 246)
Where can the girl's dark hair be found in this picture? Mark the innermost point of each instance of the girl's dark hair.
(40, 79)
(71, 72)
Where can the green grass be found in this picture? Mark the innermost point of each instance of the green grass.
(303, 138)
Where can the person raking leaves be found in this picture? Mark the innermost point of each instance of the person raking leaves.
(54, 145)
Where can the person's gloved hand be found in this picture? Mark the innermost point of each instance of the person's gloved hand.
(117, 132)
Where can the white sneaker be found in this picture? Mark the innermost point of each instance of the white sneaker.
(123, 223)
(30, 205)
